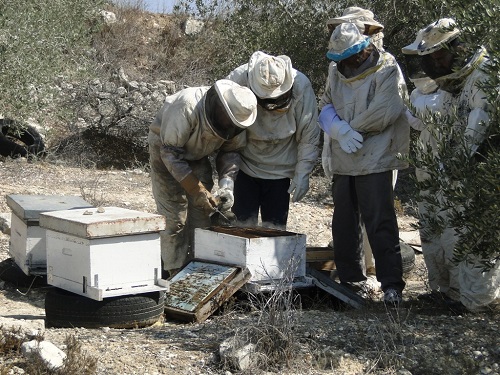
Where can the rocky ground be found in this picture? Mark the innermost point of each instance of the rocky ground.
(323, 337)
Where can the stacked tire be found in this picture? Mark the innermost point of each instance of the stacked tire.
(64, 309)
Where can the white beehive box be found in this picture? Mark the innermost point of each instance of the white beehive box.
(104, 252)
(267, 253)
(27, 240)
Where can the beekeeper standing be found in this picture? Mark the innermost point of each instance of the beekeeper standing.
(191, 125)
(364, 114)
(282, 145)
(364, 19)
(458, 73)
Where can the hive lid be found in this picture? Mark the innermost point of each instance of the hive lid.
(29, 207)
(102, 222)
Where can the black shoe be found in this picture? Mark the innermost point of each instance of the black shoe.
(393, 297)
(456, 307)
(433, 296)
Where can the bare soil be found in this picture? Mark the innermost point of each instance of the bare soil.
(328, 336)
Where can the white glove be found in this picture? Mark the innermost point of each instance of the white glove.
(299, 186)
(225, 194)
(338, 129)
(350, 140)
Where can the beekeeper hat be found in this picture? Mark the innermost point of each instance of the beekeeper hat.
(412, 48)
(240, 102)
(345, 41)
(437, 34)
(270, 76)
(351, 14)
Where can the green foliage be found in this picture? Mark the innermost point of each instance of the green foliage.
(39, 40)
(294, 28)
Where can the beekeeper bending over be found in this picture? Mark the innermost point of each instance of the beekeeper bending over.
(282, 145)
(191, 125)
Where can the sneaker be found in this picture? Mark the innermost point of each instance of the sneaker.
(392, 296)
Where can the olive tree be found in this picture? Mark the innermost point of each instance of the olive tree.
(40, 40)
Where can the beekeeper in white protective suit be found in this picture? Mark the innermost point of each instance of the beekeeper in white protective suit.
(282, 145)
(364, 19)
(363, 113)
(191, 125)
(459, 92)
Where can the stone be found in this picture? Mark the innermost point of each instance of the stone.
(49, 353)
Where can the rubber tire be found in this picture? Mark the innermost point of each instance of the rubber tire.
(12, 273)
(20, 140)
(408, 258)
(64, 309)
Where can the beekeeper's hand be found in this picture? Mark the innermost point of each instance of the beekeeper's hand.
(199, 195)
(349, 139)
(225, 194)
(299, 186)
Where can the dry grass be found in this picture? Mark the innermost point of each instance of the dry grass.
(273, 336)
(77, 362)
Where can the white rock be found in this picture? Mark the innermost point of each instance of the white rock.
(50, 354)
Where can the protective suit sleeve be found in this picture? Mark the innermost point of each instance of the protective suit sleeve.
(326, 156)
(174, 138)
(174, 161)
(308, 137)
(326, 98)
(414, 121)
(227, 164)
(475, 132)
(386, 106)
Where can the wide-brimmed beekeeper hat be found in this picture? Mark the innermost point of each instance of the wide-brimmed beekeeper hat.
(270, 76)
(240, 102)
(436, 35)
(351, 14)
(345, 41)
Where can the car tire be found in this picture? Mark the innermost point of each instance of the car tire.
(12, 273)
(20, 140)
(64, 309)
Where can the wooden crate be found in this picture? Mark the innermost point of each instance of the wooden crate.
(200, 288)
(267, 253)
(27, 240)
(320, 258)
(104, 254)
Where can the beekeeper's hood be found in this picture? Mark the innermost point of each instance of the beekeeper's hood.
(240, 103)
(413, 66)
(270, 76)
(436, 35)
(345, 41)
(230, 108)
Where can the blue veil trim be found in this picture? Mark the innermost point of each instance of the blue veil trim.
(349, 51)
